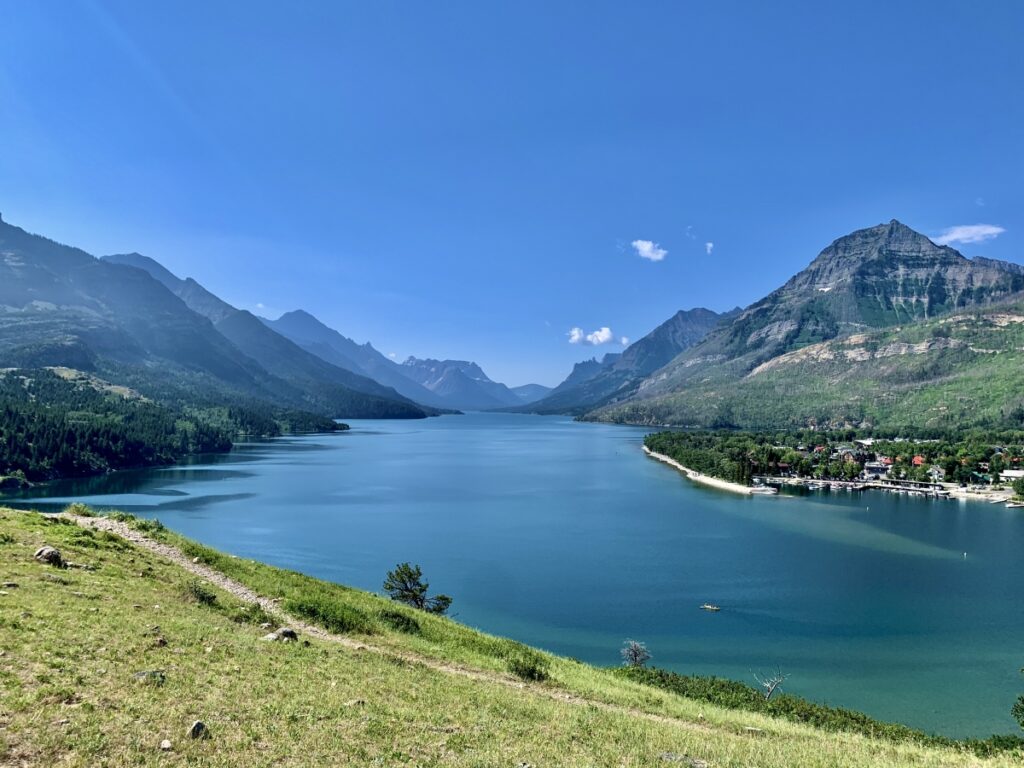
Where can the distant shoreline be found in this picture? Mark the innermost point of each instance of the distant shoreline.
(697, 477)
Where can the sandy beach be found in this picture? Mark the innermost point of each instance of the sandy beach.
(697, 477)
(981, 495)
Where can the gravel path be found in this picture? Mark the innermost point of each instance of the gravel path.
(273, 607)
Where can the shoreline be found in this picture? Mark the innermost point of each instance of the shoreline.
(991, 497)
(697, 477)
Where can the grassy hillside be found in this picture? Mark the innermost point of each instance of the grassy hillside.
(100, 664)
(954, 372)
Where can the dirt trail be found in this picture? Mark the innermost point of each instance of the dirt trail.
(272, 607)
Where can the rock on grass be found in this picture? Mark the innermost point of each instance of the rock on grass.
(50, 556)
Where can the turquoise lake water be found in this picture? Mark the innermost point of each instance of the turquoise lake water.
(565, 536)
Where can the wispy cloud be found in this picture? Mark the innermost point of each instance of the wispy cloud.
(392, 355)
(708, 248)
(624, 341)
(968, 233)
(650, 250)
(595, 338)
(980, 202)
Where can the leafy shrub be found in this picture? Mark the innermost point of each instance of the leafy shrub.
(400, 622)
(6, 538)
(149, 526)
(527, 664)
(330, 613)
(250, 613)
(79, 509)
(199, 592)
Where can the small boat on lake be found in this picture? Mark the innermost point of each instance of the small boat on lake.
(710, 607)
(764, 490)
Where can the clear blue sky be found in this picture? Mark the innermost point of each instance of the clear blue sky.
(466, 179)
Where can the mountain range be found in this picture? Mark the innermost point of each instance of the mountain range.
(883, 327)
(453, 384)
(129, 320)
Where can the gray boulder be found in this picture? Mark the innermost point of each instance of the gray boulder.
(50, 556)
(283, 635)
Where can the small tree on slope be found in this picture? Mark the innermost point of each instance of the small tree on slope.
(635, 654)
(406, 585)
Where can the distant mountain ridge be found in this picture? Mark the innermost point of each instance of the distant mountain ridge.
(64, 307)
(275, 353)
(592, 384)
(325, 342)
(529, 393)
(451, 384)
(460, 382)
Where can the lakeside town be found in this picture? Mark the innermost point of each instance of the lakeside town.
(971, 468)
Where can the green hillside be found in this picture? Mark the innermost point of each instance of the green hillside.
(102, 661)
(951, 373)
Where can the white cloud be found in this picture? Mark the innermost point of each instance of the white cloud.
(259, 305)
(624, 341)
(392, 355)
(709, 247)
(595, 338)
(648, 249)
(968, 233)
(689, 232)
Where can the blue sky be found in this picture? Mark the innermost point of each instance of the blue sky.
(467, 179)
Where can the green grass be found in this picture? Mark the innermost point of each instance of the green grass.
(736, 695)
(74, 640)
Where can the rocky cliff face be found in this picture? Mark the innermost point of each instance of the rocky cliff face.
(872, 278)
(889, 274)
